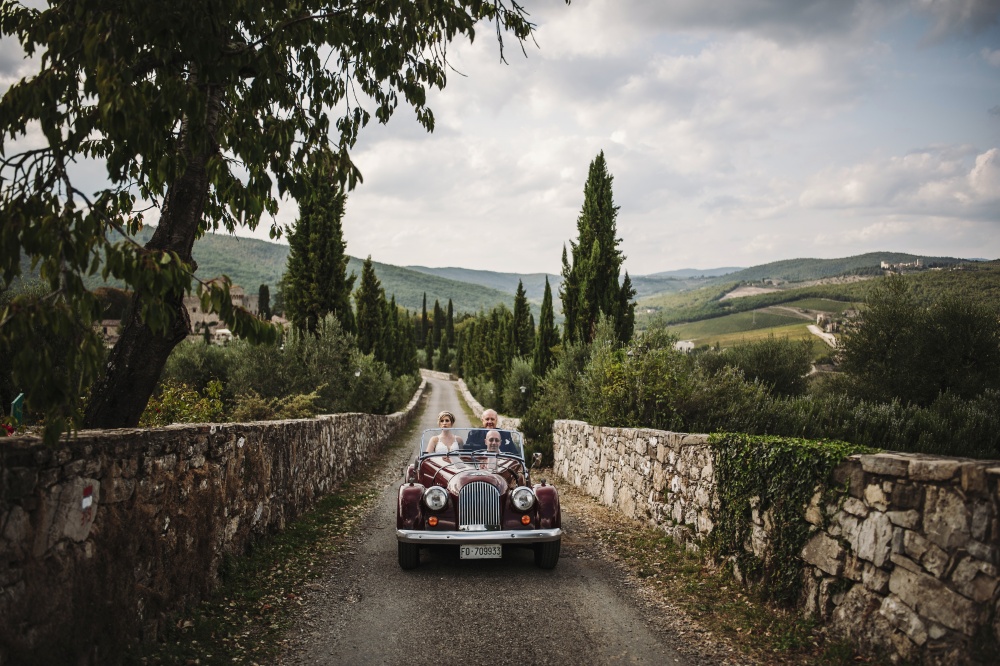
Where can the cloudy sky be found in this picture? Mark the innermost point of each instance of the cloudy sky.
(738, 132)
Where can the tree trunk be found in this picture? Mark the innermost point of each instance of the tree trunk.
(119, 396)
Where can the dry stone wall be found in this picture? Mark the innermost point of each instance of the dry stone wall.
(104, 535)
(903, 558)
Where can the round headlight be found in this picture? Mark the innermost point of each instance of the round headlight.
(522, 498)
(435, 498)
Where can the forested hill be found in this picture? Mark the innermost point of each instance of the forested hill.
(802, 270)
(251, 263)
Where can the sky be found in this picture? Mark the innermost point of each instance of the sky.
(738, 132)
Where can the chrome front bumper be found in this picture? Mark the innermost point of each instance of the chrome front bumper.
(496, 536)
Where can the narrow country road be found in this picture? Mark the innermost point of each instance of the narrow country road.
(366, 610)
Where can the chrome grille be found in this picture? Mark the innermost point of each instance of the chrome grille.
(479, 505)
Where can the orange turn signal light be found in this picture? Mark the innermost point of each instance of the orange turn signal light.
(432, 521)
(525, 519)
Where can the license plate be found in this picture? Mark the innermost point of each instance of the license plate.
(488, 551)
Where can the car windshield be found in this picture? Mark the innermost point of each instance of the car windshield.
(441, 441)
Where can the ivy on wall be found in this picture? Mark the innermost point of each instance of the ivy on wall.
(777, 476)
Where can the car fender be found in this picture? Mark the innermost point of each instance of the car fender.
(549, 516)
(409, 510)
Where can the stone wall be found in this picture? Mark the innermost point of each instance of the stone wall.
(106, 534)
(902, 561)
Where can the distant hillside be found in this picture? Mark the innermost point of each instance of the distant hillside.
(534, 283)
(251, 263)
(694, 273)
(980, 281)
(802, 270)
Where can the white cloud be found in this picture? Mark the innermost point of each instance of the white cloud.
(948, 181)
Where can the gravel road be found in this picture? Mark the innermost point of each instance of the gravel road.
(366, 610)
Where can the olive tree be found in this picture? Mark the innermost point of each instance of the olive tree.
(197, 115)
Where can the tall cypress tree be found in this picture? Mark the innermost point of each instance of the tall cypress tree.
(522, 330)
(264, 302)
(548, 336)
(422, 333)
(438, 323)
(590, 279)
(316, 280)
(370, 299)
(450, 324)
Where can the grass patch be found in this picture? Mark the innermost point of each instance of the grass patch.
(245, 619)
(719, 603)
(823, 305)
(735, 323)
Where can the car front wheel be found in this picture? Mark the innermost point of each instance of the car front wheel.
(547, 554)
(409, 555)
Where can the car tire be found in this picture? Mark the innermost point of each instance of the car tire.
(409, 555)
(547, 554)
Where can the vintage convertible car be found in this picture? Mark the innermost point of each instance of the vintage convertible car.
(471, 488)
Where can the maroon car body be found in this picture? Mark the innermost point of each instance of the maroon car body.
(477, 500)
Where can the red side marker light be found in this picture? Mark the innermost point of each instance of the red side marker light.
(432, 521)
(525, 519)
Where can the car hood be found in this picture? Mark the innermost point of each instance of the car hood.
(462, 478)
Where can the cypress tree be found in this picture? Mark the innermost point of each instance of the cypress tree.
(444, 355)
(590, 276)
(264, 302)
(370, 300)
(316, 281)
(522, 330)
(429, 352)
(450, 324)
(422, 333)
(438, 323)
(548, 336)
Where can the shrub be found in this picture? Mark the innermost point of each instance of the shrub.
(779, 364)
(178, 403)
(516, 401)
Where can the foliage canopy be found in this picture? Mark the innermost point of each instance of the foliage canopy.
(205, 114)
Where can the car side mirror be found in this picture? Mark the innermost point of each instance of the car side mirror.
(536, 459)
(411, 474)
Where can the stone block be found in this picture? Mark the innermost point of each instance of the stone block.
(982, 551)
(905, 562)
(903, 618)
(982, 518)
(907, 496)
(908, 519)
(875, 497)
(824, 553)
(17, 533)
(933, 469)
(855, 507)
(935, 560)
(946, 522)
(886, 464)
(974, 579)
(875, 579)
(20, 482)
(914, 545)
(873, 538)
(933, 600)
(973, 478)
(117, 489)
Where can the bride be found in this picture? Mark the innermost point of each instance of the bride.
(446, 441)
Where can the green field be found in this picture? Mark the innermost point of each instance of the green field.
(791, 331)
(822, 305)
(738, 323)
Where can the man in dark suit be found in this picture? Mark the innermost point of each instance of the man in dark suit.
(476, 441)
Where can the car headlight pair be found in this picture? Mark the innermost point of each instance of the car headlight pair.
(522, 498)
(435, 498)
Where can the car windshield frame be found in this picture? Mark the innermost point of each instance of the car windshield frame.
(512, 443)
